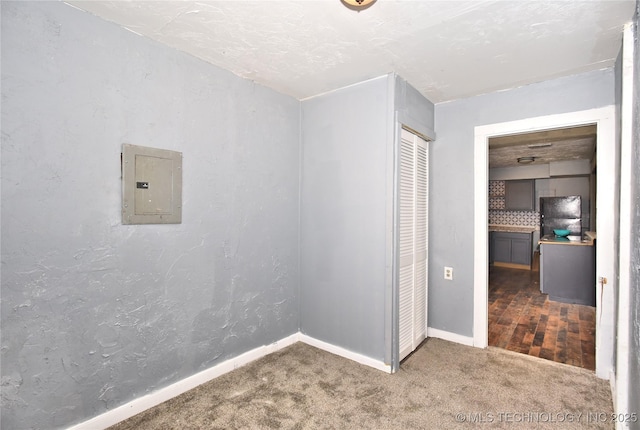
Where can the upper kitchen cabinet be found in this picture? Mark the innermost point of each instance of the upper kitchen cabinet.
(520, 195)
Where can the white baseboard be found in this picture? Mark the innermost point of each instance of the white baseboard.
(148, 401)
(359, 358)
(452, 337)
(143, 403)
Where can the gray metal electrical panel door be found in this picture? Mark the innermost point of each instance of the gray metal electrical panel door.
(151, 185)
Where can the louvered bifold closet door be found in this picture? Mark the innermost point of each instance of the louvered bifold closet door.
(406, 266)
(413, 193)
(420, 244)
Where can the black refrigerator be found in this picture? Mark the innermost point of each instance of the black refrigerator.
(561, 213)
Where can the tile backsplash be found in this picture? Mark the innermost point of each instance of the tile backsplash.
(497, 213)
(496, 188)
(519, 218)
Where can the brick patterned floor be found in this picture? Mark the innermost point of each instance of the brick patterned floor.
(524, 320)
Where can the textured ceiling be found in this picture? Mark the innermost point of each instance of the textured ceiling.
(545, 146)
(446, 49)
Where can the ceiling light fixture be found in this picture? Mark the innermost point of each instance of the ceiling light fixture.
(526, 160)
(357, 5)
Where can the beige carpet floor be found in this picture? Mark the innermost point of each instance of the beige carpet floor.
(442, 385)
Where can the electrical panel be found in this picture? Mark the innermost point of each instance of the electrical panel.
(151, 185)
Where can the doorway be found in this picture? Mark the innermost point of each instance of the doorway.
(607, 154)
(523, 168)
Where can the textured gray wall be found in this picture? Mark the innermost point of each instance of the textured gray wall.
(634, 343)
(95, 313)
(452, 179)
(347, 205)
(413, 109)
(618, 105)
(343, 218)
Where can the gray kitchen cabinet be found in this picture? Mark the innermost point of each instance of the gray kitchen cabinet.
(491, 247)
(567, 273)
(511, 248)
(520, 195)
(501, 247)
(521, 249)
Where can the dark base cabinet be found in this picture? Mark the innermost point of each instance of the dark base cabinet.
(513, 248)
(491, 258)
(567, 273)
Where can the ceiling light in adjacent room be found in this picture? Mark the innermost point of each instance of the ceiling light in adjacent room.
(526, 160)
(539, 145)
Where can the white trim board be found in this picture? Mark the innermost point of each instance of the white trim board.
(452, 337)
(150, 400)
(606, 191)
(337, 350)
(620, 380)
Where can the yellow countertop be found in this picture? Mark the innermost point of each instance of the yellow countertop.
(587, 240)
(512, 228)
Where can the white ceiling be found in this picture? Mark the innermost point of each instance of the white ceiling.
(446, 49)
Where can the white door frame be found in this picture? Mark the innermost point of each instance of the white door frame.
(607, 220)
(623, 351)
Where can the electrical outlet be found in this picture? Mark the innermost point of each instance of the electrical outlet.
(448, 273)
